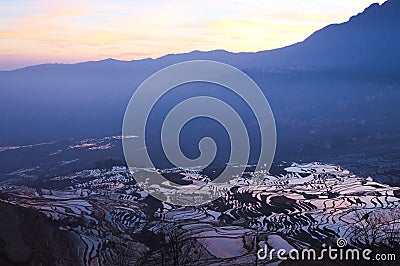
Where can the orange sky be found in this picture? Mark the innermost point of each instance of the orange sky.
(33, 32)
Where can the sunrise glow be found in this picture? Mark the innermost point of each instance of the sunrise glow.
(33, 32)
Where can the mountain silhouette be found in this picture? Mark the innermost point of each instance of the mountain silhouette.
(367, 39)
(343, 62)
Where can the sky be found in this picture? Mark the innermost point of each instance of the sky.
(47, 31)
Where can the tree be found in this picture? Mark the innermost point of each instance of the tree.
(378, 230)
(124, 252)
(178, 247)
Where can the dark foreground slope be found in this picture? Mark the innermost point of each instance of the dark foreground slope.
(27, 237)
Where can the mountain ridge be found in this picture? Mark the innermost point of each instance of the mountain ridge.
(382, 19)
(354, 61)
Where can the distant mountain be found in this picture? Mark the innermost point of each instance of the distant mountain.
(369, 41)
(351, 64)
(368, 38)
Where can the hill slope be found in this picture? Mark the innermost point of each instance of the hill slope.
(350, 70)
